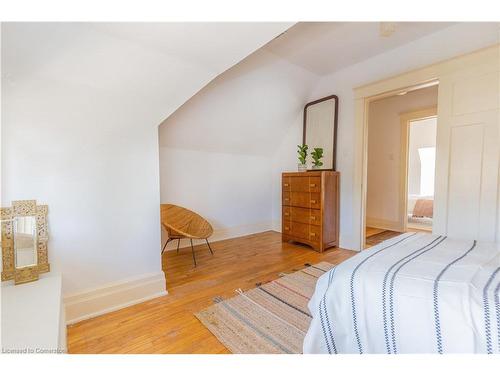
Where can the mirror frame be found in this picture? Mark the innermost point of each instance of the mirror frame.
(7, 215)
(335, 126)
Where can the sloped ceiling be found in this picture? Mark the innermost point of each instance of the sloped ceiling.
(162, 64)
(244, 110)
(251, 107)
(325, 47)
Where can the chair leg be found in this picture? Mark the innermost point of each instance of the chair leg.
(164, 246)
(178, 243)
(209, 246)
(192, 249)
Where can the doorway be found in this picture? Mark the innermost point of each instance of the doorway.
(419, 132)
(401, 144)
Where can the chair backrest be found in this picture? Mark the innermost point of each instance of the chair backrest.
(179, 221)
(163, 219)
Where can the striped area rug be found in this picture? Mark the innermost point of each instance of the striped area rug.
(272, 318)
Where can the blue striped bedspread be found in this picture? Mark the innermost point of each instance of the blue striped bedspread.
(415, 293)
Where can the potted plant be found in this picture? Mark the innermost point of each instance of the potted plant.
(302, 152)
(317, 154)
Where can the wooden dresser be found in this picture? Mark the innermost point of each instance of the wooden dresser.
(310, 208)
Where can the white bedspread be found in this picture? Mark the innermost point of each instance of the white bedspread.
(415, 293)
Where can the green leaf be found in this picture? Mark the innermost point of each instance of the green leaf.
(302, 152)
(317, 154)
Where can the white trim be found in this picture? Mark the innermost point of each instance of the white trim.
(112, 297)
(384, 224)
(224, 234)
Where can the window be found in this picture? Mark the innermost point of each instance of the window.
(427, 157)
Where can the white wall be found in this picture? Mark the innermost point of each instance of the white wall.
(81, 104)
(441, 45)
(216, 150)
(81, 152)
(231, 191)
(383, 198)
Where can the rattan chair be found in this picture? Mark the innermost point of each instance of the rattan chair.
(179, 222)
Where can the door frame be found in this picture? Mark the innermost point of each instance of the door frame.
(440, 71)
(405, 119)
(415, 80)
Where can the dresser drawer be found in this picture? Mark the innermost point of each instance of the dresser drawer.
(300, 199)
(302, 215)
(287, 227)
(314, 184)
(315, 217)
(285, 184)
(303, 184)
(297, 230)
(302, 231)
(314, 233)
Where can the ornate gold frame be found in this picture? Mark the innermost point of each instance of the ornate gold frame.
(7, 214)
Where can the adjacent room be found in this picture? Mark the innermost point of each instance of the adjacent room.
(421, 169)
(310, 187)
(401, 163)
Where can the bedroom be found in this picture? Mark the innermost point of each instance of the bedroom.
(172, 228)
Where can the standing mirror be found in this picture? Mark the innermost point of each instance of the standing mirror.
(24, 241)
(320, 128)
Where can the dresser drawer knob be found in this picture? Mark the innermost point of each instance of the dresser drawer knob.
(312, 185)
(287, 199)
(313, 217)
(313, 201)
(287, 228)
(287, 214)
(286, 185)
(313, 234)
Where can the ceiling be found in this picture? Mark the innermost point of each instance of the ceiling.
(159, 64)
(255, 108)
(325, 47)
(206, 43)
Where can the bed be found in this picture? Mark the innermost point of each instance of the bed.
(415, 293)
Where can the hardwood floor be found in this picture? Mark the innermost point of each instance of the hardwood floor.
(375, 235)
(371, 231)
(167, 324)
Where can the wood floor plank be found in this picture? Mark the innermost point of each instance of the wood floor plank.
(167, 324)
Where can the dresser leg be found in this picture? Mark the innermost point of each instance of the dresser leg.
(178, 243)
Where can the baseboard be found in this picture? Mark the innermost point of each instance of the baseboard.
(276, 226)
(384, 224)
(224, 234)
(112, 297)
